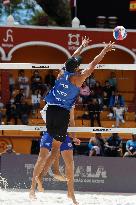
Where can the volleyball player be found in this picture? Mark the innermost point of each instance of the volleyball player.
(66, 150)
(64, 94)
(60, 100)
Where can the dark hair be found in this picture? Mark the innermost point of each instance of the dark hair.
(72, 63)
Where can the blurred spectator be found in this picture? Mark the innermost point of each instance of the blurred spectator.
(94, 111)
(11, 112)
(94, 149)
(96, 145)
(49, 79)
(18, 98)
(115, 99)
(11, 83)
(45, 92)
(91, 81)
(9, 150)
(113, 80)
(119, 114)
(23, 111)
(12, 99)
(98, 90)
(36, 98)
(131, 147)
(105, 100)
(113, 146)
(36, 81)
(1, 104)
(23, 82)
(92, 93)
(107, 89)
(84, 93)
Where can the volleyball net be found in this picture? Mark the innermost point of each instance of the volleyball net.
(70, 129)
(32, 66)
(126, 86)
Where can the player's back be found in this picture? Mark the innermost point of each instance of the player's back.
(64, 93)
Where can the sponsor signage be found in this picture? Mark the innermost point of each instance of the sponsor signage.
(92, 174)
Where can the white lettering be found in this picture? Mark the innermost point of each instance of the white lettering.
(62, 93)
(82, 172)
(29, 168)
(64, 86)
(7, 45)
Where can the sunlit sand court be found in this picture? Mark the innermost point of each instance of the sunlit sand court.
(16, 197)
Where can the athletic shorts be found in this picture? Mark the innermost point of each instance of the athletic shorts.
(46, 142)
(57, 120)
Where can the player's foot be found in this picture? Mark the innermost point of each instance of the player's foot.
(32, 195)
(76, 203)
(60, 177)
(72, 197)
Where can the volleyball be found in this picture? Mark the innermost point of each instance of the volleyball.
(119, 33)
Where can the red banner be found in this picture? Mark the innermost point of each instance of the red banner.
(66, 40)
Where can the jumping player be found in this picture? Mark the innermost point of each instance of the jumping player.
(60, 100)
(64, 94)
(66, 150)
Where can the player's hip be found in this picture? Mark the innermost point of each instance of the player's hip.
(46, 142)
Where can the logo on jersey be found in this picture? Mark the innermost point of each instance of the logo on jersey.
(47, 144)
(69, 144)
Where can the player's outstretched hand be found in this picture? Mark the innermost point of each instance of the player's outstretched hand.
(85, 41)
(109, 47)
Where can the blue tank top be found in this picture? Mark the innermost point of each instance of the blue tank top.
(64, 93)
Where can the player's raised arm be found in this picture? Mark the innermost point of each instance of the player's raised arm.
(87, 72)
(85, 43)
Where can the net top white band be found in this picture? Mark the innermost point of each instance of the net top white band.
(70, 129)
(59, 66)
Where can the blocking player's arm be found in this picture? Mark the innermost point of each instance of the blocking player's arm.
(87, 72)
(72, 124)
(85, 42)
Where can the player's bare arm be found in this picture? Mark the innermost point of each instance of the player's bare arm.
(85, 43)
(79, 79)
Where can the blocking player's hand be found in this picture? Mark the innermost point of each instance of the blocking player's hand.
(85, 41)
(76, 141)
(109, 47)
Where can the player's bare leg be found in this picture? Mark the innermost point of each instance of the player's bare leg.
(56, 172)
(69, 169)
(39, 166)
(40, 182)
(53, 154)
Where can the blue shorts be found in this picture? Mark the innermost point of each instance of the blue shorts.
(46, 142)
